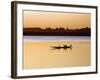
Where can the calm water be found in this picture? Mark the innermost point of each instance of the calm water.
(38, 52)
(55, 38)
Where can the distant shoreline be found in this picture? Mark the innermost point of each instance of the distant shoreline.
(56, 32)
(53, 34)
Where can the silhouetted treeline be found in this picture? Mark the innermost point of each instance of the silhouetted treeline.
(56, 32)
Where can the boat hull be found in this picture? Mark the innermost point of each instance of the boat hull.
(61, 47)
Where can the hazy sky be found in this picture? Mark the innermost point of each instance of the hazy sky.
(56, 19)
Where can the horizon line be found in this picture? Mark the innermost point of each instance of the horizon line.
(58, 28)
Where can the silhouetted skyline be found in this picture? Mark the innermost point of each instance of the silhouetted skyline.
(57, 31)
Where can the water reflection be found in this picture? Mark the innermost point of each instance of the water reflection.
(40, 54)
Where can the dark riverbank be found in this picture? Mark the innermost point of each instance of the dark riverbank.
(56, 32)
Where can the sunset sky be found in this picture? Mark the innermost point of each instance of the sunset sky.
(56, 19)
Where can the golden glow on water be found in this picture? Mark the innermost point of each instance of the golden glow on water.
(41, 55)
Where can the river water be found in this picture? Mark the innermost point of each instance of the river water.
(38, 53)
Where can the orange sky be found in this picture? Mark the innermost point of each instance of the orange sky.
(56, 19)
